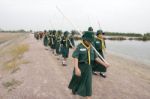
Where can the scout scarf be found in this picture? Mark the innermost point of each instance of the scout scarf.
(89, 56)
(102, 40)
(66, 39)
(58, 39)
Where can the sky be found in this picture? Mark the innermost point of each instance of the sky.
(108, 15)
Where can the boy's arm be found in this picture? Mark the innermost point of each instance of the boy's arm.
(77, 70)
(101, 62)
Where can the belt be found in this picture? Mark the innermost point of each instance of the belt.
(83, 62)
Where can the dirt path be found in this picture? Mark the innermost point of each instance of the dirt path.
(44, 78)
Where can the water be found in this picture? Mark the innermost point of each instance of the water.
(137, 50)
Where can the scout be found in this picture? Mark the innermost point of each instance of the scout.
(53, 38)
(45, 40)
(99, 44)
(84, 56)
(36, 35)
(66, 44)
(58, 43)
(71, 38)
(50, 38)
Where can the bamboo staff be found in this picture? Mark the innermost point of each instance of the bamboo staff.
(69, 21)
(81, 34)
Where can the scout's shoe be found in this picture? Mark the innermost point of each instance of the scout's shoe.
(95, 73)
(103, 75)
(73, 92)
(64, 63)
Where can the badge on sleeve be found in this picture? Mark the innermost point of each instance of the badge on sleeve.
(82, 49)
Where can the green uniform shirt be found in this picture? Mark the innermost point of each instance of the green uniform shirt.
(81, 54)
(98, 44)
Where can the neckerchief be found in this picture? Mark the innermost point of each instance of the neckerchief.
(89, 54)
(102, 40)
(66, 38)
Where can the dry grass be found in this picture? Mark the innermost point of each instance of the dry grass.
(12, 84)
(11, 57)
(16, 53)
(19, 50)
(9, 36)
(11, 64)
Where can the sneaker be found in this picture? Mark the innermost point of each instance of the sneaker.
(94, 73)
(64, 63)
(73, 92)
(103, 75)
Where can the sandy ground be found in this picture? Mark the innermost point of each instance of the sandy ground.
(9, 36)
(44, 77)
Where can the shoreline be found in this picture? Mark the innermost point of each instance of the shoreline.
(132, 66)
(127, 57)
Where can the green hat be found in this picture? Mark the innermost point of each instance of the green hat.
(59, 32)
(90, 29)
(99, 32)
(54, 32)
(73, 32)
(88, 36)
(66, 33)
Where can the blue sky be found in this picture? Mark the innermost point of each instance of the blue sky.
(113, 15)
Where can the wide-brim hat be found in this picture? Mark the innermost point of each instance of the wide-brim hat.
(54, 32)
(66, 33)
(99, 32)
(59, 32)
(90, 29)
(88, 36)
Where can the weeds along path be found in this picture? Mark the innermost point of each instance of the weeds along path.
(10, 44)
(43, 77)
(16, 38)
(11, 49)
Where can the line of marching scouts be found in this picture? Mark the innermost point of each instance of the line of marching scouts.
(86, 60)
